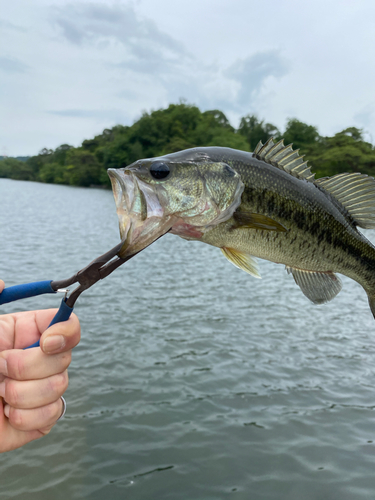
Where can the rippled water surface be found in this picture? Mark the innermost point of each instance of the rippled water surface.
(192, 379)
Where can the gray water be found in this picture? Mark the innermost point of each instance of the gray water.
(192, 379)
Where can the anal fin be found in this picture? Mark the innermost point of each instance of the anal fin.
(242, 260)
(319, 287)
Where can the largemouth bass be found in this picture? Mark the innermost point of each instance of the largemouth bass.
(264, 204)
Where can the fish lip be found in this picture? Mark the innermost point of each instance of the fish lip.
(122, 187)
(126, 185)
(121, 202)
(141, 216)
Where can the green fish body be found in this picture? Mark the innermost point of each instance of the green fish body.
(265, 204)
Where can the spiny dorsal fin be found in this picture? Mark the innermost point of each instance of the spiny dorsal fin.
(318, 287)
(242, 260)
(356, 192)
(283, 157)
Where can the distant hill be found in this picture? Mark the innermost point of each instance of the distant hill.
(19, 158)
(181, 126)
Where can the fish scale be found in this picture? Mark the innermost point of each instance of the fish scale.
(266, 205)
(320, 236)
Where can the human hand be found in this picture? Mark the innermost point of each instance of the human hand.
(32, 381)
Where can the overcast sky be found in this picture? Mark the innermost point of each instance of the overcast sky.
(70, 69)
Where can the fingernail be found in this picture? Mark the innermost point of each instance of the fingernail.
(53, 343)
(2, 389)
(3, 366)
(6, 410)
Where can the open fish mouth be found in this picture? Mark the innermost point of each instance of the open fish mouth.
(142, 218)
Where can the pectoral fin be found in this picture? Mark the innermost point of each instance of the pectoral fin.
(257, 221)
(242, 260)
(318, 287)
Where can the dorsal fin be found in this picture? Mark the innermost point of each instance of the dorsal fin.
(356, 192)
(283, 157)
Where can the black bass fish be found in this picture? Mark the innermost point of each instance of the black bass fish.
(264, 204)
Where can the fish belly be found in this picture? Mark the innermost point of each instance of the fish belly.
(282, 248)
(352, 256)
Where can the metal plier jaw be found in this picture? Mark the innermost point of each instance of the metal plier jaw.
(97, 270)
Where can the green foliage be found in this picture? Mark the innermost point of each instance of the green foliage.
(15, 169)
(302, 136)
(214, 129)
(52, 173)
(6, 165)
(182, 126)
(346, 151)
(254, 130)
(82, 168)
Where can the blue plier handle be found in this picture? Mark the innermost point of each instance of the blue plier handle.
(98, 269)
(18, 292)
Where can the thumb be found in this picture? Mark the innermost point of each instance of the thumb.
(2, 285)
(61, 337)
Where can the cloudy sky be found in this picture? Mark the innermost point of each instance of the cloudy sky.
(70, 69)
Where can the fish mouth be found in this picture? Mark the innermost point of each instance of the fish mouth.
(142, 219)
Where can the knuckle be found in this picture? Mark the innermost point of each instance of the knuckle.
(50, 413)
(20, 368)
(46, 430)
(60, 383)
(66, 380)
(66, 359)
(16, 366)
(11, 393)
(16, 418)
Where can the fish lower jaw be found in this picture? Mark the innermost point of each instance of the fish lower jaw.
(138, 234)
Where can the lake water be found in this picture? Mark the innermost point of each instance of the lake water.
(193, 380)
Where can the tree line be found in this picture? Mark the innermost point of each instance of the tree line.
(182, 126)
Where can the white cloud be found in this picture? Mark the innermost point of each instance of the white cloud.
(252, 73)
(366, 116)
(93, 23)
(135, 46)
(8, 26)
(12, 65)
(70, 69)
(112, 115)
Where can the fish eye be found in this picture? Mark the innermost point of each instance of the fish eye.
(159, 170)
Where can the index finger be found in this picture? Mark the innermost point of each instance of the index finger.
(32, 364)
